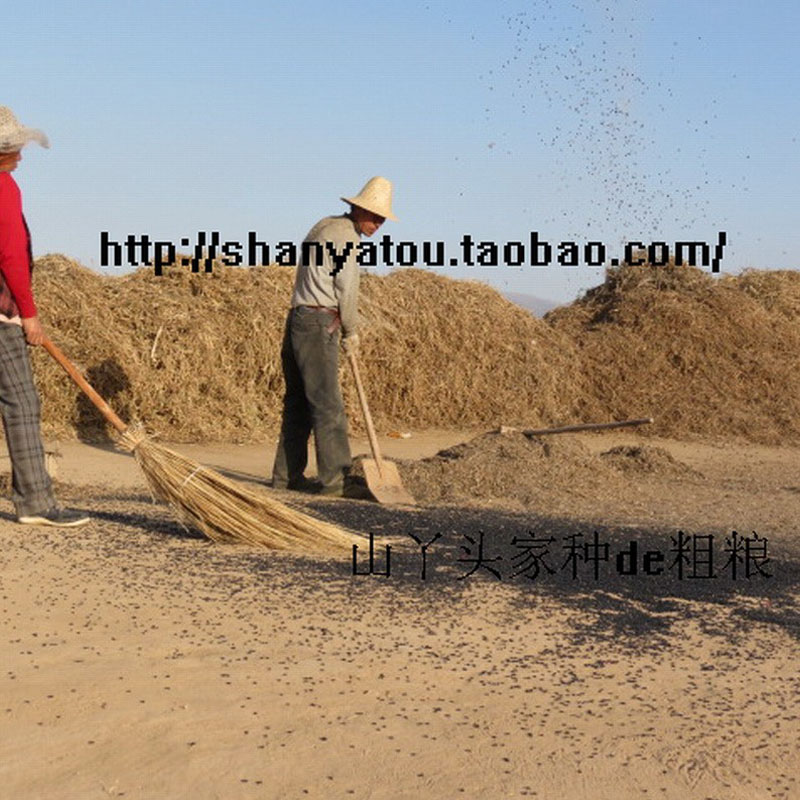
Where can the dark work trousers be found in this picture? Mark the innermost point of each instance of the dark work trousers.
(32, 490)
(313, 401)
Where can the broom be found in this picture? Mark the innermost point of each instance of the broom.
(218, 507)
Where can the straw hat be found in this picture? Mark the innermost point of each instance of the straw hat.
(376, 196)
(14, 136)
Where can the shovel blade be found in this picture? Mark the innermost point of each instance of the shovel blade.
(385, 483)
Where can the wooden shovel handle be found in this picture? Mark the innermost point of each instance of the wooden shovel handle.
(589, 426)
(83, 384)
(373, 439)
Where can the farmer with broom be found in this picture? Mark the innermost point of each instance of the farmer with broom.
(19, 322)
(324, 309)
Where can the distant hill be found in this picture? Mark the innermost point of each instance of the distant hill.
(538, 306)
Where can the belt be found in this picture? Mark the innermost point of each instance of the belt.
(334, 311)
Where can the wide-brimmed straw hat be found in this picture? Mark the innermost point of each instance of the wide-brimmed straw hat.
(376, 196)
(14, 136)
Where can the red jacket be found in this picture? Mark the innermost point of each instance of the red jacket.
(16, 263)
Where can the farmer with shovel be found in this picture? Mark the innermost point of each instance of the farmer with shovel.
(325, 300)
(19, 322)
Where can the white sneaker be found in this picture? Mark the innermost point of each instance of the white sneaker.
(56, 517)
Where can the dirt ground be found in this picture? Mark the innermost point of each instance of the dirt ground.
(142, 661)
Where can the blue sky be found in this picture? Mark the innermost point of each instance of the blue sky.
(607, 120)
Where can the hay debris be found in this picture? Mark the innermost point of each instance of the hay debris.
(551, 473)
(528, 471)
(647, 459)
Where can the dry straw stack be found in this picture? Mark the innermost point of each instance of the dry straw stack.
(197, 356)
(716, 357)
(193, 356)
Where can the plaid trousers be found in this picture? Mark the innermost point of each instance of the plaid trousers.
(19, 404)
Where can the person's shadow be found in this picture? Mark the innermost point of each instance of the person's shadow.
(109, 380)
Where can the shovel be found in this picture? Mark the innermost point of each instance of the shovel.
(383, 479)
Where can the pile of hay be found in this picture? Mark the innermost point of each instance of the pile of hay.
(645, 459)
(702, 356)
(557, 473)
(442, 352)
(510, 467)
(193, 357)
(197, 357)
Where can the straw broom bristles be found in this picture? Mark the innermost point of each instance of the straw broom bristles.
(225, 511)
(208, 501)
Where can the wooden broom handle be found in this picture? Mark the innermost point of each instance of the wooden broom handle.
(72, 371)
(373, 439)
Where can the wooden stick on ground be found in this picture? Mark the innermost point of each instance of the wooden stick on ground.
(588, 426)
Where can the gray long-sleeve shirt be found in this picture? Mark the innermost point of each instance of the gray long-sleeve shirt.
(332, 281)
